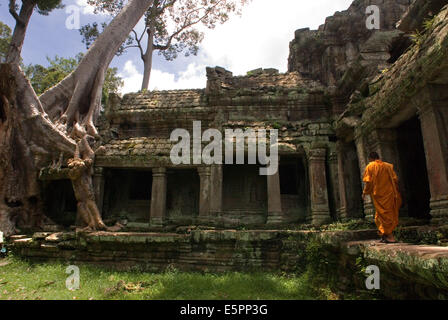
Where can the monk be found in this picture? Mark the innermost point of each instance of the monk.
(381, 183)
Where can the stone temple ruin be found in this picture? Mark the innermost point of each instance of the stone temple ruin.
(348, 90)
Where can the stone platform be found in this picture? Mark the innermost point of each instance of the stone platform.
(405, 268)
(198, 250)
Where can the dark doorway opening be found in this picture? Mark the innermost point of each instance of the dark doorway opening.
(352, 180)
(127, 195)
(244, 195)
(182, 197)
(60, 203)
(140, 186)
(293, 188)
(413, 167)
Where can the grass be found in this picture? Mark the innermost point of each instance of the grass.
(22, 280)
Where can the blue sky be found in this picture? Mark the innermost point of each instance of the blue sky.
(259, 38)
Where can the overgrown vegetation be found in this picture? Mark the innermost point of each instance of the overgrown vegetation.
(419, 36)
(25, 280)
(43, 78)
(337, 277)
(5, 39)
(360, 224)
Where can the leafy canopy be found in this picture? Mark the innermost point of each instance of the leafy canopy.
(43, 78)
(174, 24)
(5, 39)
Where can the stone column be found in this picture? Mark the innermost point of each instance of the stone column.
(204, 194)
(384, 141)
(342, 209)
(333, 167)
(216, 191)
(369, 209)
(436, 149)
(275, 214)
(98, 187)
(158, 197)
(320, 210)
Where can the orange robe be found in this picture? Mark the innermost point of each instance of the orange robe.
(382, 185)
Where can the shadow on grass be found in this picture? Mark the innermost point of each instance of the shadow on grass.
(22, 280)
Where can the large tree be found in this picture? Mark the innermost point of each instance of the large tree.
(43, 78)
(171, 27)
(34, 131)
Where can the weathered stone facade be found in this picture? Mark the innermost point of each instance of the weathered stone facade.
(348, 91)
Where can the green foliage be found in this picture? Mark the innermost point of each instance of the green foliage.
(172, 23)
(419, 36)
(44, 7)
(5, 39)
(90, 33)
(336, 278)
(43, 78)
(112, 84)
(25, 280)
(359, 224)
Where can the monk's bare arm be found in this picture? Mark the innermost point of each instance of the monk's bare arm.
(367, 179)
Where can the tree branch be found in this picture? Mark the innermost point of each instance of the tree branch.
(139, 44)
(186, 25)
(13, 12)
(166, 5)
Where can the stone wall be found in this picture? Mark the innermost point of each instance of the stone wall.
(407, 271)
(412, 89)
(327, 53)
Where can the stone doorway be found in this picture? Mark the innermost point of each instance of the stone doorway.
(244, 195)
(351, 177)
(127, 195)
(60, 204)
(182, 198)
(294, 189)
(413, 168)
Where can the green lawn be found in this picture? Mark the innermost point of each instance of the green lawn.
(23, 280)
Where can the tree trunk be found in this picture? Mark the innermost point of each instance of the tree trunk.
(80, 92)
(18, 37)
(147, 58)
(35, 131)
(28, 140)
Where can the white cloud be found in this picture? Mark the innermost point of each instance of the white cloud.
(261, 36)
(131, 77)
(86, 8)
(192, 78)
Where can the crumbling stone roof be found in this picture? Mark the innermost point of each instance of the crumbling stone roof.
(267, 80)
(138, 147)
(168, 99)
